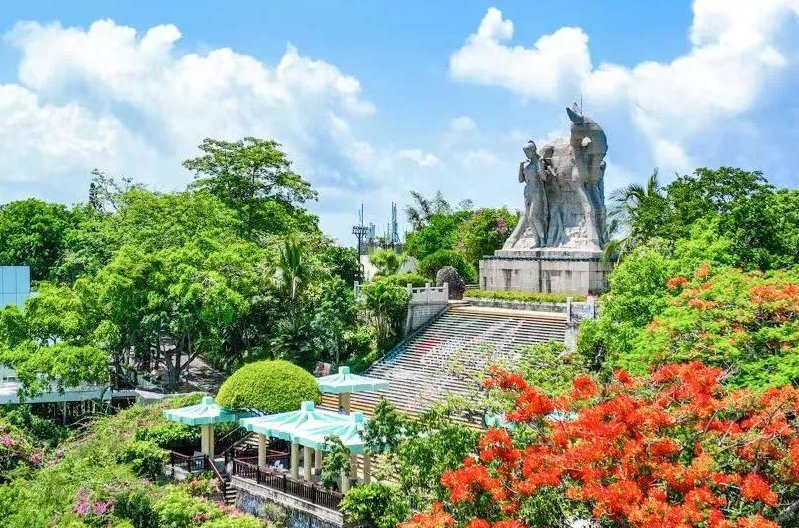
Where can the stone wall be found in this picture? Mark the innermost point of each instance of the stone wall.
(300, 513)
(544, 271)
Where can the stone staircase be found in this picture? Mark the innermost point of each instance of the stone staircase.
(447, 355)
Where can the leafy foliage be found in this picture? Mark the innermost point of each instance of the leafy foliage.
(336, 461)
(376, 504)
(386, 307)
(387, 261)
(507, 295)
(430, 265)
(32, 234)
(747, 323)
(268, 386)
(760, 222)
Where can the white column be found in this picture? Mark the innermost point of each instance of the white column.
(211, 442)
(344, 401)
(317, 460)
(306, 462)
(295, 460)
(353, 466)
(367, 468)
(262, 450)
(205, 446)
(345, 482)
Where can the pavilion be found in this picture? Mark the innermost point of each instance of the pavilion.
(307, 428)
(206, 414)
(344, 384)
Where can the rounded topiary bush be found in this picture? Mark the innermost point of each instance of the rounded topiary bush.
(269, 387)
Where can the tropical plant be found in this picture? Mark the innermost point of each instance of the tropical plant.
(376, 504)
(634, 212)
(419, 213)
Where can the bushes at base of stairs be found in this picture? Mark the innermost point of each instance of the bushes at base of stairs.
(506, 295)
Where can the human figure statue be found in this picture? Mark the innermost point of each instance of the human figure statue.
(564, 202)
(534, 216)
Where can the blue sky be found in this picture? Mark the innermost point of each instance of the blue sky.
(373, 99)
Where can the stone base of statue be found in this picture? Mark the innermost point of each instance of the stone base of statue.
(546, 270)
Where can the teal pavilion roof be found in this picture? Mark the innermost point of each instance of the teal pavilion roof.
(344, 382)
(204, 413)
(286, 425)
(349, 431)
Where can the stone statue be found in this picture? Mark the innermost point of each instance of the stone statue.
(564, 191)
(532, 226)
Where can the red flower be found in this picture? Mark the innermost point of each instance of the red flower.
(756, 488)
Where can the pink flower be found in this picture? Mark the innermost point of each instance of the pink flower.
(7, 441)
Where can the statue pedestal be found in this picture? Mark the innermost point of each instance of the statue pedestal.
(547, 270)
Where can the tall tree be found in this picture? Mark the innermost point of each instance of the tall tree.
(635, 213)
(32, 233)
(423, 208)
(253, 177)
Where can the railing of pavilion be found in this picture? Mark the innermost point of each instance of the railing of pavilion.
(281, 481)
(188, 463)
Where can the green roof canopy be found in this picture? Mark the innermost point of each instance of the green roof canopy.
(349, 431)
(285, 425)
(204, 413)
(344, 382)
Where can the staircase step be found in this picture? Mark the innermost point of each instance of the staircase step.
(446, 356)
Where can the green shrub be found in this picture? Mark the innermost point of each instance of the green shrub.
(234, 522)
(137, 508)
(145, 458)
(178, 509)
(430, 265)
(387, 261)
(377, 505)
(171, 436)
(403, 279)
(506, 295)
(269, 387)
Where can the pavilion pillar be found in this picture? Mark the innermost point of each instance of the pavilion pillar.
(206, 439)
(344, 401)
(295, 460)
(306, 462)
(367, 467)
(317, 463)
(345, 482)
(353, 466)
(261, 450)
(211, 442)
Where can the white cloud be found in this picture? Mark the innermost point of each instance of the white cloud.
(129, 102)
(555, 63)
(736, 49)
(424, 159)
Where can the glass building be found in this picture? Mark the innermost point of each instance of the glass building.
(15, 285)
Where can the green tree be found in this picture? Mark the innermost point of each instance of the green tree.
(420, 212)
(484, 232)
(268, 386)
(32, 234)
(636, 212)
(387, 261)
(254, 177)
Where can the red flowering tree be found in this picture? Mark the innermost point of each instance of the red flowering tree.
(676, 449)
(744, 322)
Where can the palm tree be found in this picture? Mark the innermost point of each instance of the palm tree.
(420, 213)
(626, 205)
(292, 270)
